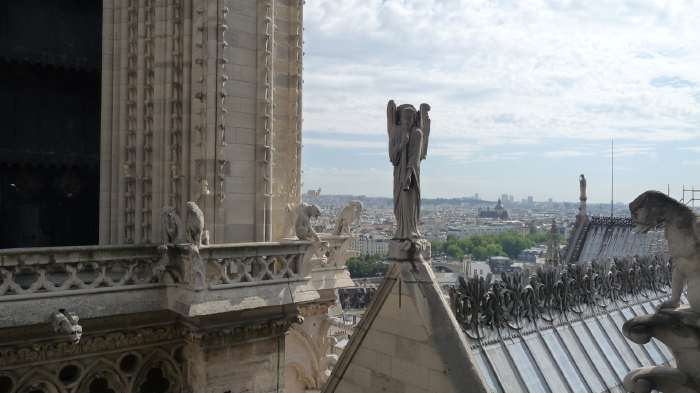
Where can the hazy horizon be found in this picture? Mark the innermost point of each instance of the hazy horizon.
(525, 95)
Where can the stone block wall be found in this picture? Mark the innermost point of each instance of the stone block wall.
(201, 100)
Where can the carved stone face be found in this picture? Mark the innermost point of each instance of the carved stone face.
(168, 212)
(407, 117)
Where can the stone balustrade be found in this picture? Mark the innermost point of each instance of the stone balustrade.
(39, 272)
(253, 263)
(98, 281)
(329, 270)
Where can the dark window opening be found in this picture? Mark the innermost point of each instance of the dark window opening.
(100, 385)
(155, 382)
(50, 53)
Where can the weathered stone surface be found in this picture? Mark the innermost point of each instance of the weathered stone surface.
(409, 131)
(677, 327)
(408, 341)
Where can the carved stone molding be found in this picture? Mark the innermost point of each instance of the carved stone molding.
(228, 335)
(49, 351)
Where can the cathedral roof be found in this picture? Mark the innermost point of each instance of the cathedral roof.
(611, 237)
(526, 338)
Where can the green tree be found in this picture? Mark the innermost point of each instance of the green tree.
(455, 251)
(513, 243)
(366, 266)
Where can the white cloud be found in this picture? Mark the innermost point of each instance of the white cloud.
(343, 144)
(500, 72)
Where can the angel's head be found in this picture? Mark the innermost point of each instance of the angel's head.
(406, 116)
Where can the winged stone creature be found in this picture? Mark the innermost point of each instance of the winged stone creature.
(194, 224)
(171, 225)
(349, 215)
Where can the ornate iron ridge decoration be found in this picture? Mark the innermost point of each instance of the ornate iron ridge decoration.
(611, 221)
(481, 303)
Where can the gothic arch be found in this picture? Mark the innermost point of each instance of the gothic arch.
(102, 377)
(301, 375)
(40, 381)
(160, 372)
(312, 362)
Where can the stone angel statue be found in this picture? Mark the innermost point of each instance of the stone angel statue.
(582, 186)
(409, 131)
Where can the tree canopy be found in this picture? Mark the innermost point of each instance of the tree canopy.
(509, 244)
(366, 266)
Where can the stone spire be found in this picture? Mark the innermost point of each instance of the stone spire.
(582, 210)
(553, 256)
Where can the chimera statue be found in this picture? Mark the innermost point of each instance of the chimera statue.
(676, 326)
(349, 215)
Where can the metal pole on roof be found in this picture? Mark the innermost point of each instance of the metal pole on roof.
(612, 177)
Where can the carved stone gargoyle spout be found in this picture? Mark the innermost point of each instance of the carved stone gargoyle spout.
(679, 330)
(64, 322)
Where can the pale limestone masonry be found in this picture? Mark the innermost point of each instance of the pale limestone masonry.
(309, 357)
(143, 319)
(408, 341)
(201, 101)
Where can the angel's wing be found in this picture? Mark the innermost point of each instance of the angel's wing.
(390, 117)
(425, 127)
(391, 129)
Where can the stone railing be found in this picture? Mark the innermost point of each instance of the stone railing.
(39, 271)
(231, 265)
(148, 278)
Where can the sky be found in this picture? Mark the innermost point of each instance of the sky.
(525, 95)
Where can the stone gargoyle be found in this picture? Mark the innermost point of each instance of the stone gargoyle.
(348, 216)
(66, 323)
(305, 231)
(676, 326)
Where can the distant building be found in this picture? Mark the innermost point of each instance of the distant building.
(500, 265)
(313, 193)
(488, 229)
(553, 256)
(478, 269)
(498, 212)
(531, 254)
(371, 245)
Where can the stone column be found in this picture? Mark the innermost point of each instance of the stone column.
(239, 359)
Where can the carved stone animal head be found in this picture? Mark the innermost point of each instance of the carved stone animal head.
(171, 224)
(66, 323)
(357, 205)
(311, 211)
(168, 211)
(653, 208)
(192, 206)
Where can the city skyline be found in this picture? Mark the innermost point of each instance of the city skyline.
(525, 96)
